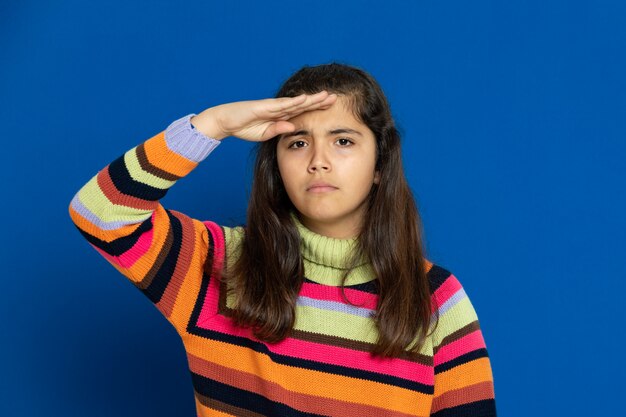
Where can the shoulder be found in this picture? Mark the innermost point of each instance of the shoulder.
(454, 308)
(437, 275)
(223, 236)
(445, 287)
(221, 241)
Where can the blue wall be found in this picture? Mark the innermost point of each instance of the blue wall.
(512, 115)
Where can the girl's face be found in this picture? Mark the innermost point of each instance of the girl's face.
(327, 167)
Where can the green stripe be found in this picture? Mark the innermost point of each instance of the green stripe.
(139, 175)
(460, 315)
(97, 203)
(334, 323)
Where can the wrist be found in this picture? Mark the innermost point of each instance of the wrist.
(207, 124)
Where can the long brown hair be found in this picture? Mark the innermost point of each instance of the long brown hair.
(267, 276)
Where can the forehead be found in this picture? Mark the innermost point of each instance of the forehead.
(340, 112)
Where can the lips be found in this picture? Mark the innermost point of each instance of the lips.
(320, 186)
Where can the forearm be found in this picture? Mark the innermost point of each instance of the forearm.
(126, 192)
(162, 252)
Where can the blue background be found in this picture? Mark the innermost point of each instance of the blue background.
(512, 115)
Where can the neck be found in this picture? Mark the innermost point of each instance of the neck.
(327, 258)
(338, 229)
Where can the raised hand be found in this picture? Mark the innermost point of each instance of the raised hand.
(258, 120)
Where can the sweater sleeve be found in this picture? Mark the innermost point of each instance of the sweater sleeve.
(162, 252)
(463, 376)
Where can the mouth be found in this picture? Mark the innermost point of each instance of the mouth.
(321, 187)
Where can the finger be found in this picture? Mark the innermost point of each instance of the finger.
(320, 101)
(281, 104)
(278, 128)
(322, 105)
(328, 101)
(288, 104)
(313, 100)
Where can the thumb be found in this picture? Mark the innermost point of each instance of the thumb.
(278, 128)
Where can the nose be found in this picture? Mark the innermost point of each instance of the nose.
(319, 161)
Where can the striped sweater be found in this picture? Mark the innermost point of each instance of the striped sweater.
(324, 368)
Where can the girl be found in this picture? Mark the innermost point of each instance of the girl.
(323, 304)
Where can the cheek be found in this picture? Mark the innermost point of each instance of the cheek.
(284, 162)
(287, 175)
(282, 170)
(360, 170)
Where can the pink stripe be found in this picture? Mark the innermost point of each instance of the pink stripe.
(209, 306)
(446, 290)
(327, 354)
(329, 293)
(132, 255)
(112, 259)
(210, 320)
(140, 248)
(467, 343)
(218, 245)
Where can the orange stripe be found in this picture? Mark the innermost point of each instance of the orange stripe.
(104, 235)
(161, 156)
(309, 382)
(274, 392)
(476, 392)
(427, 265)
(461, 376)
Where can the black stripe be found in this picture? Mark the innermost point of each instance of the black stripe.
(369, 286)
(469, 356)
(127, 185)
(120, 245)
(164, 275)
(437, 276)
(482, 408)
(208, 266)
(244, 399)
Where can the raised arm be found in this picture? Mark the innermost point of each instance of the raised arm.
(119, 214)
(163, 252)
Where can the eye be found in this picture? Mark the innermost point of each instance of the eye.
(291, 146)
(344, 142)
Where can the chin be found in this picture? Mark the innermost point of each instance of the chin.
(322, 216)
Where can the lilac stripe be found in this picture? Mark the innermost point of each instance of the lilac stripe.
(78, 206)
(334, 306)
(452, 301)
(182, 138)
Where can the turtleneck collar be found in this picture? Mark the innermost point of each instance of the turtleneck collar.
(326, 258)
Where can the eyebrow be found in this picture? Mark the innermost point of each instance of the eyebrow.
(329, 133)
